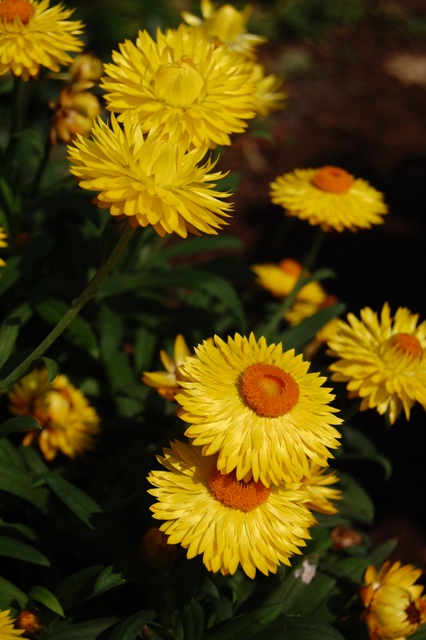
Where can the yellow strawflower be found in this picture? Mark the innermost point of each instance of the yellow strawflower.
(3, 244)
(151, 180)
(226, 25)
(395, 607)
(69, 424)
(7, 629)
(34, 35)
(258, 408)
(166, 382)
(228, 522)
(319, 490)
(382, 358)
(183, 85)
(329, 197)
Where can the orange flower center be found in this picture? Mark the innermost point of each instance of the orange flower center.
(11, 9)
(409, 344)
(292, 267)
(332, 179)
(245, 496)
(269, 390)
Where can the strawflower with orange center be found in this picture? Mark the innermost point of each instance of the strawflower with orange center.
(227, 521)
(35, 35)
(150, 179)
(395, 606)
(68, 423)
(382, 359)
(258, 408)
(183, 85)
(166, 382)
(329, 197)
(226, 25)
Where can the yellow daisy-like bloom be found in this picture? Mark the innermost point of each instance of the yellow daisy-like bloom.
(258, 408)
(395, 607)
(183, 85)
(34, 35)
(69, 424)
(166, 382)
(228, 521)
(268, 92)
(3, 244)
(329, 197)
(320, 492)
(152, 180)
(226, 25)
(7, 630)
(382, 360)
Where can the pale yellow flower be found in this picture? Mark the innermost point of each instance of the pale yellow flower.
(166, 382)
(329, 197)
(34, 35)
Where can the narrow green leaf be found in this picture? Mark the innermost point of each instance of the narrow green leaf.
(77, 501)
(131, 628)
(51, 366)
(20, 423)
(382, 552)
(78, 587)
(355, 503)
(420, 634)
(297, 336)
(297, 628)
(83, 630)
(10, 454)
(10, 329)
(353, 439)
(46, 597)
(15, 482)
(192, 620)
(12, 548)
(245, 627)
(111, 330)
(10, 273)
(79, 332)
(11, 595)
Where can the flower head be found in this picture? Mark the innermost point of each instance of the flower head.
(3, 244)
(229, 522)
(75, 112)
(7, 629)
(227, 26)
(329, 197)
(319, 490)
(395, 607)
(34, 35)
(382, 359)
(152, 180)
(166, 382)
(68, 423)
(183, 85)
(258, 408)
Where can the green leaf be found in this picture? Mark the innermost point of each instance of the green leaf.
(15, 482)
(10, 329)
(198, 245)
(382, 552)
(420, 634)
(11, 595)
(77, 501)
(51, 366)
(297, 628)
(111, 329)
(355, 502)
(79, 332)
(297, 336)
(83, 630)
(20, 423)
(192, 620)
(10, 454)
(353, 439)
(131, 628)
(245, 627)
(10, 273)
(46, 597)
(12, 548)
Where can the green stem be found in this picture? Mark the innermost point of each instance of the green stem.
(272, 324)
(75, 308)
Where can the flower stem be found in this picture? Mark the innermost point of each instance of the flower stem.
(272, 324)
(74, 309)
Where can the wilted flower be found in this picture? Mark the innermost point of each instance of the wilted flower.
(395, 607)
(226, 25)
(382, 360)
(75, 112)
(68, 423)
(166, 382)
(183, 85)
(329, 197)
(227, 521)
(258, 408)
(86, 68)
(34, 35)
(152, 180)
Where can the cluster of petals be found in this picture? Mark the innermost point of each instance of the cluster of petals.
(166, 382)
(34, 35)
(382, 359)
(329, 197)
(394, 604)
(3, 244)
(152, 180)
(7, 628)
(68, 423)
(227, 521)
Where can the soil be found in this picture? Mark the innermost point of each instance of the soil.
(356, 101)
